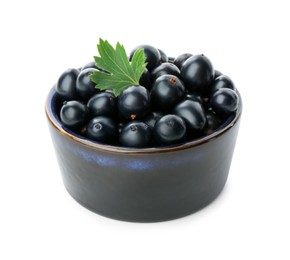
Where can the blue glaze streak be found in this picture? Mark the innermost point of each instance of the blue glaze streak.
(139, 165)
(103, 161)
(131, 162)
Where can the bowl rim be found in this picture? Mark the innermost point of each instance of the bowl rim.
(56, 123)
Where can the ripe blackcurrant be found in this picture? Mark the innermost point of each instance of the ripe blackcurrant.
(66, 84)
(169, 129)
(102, 129)
(134, 102)
(197, 73)
(192, 113)
(224, 101)
(85, 87)
(73, 114)
(135, 134)
(166, 92)
(153, 57)
(102, 104)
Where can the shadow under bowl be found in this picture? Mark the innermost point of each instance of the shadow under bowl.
(143, 185)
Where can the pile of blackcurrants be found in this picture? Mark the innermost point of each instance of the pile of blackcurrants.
(178, 100)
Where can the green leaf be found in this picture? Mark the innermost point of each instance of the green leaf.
(119, 73)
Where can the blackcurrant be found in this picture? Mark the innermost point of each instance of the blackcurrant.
(224, 101)
(213, 121)
(164, 68)
(179, 60)
(92, 65)
(135, 134)
(102, 104)
(171, 59)
(73, 114)
(84, 86)
(102, 129)
(163, 56)
(134, 102)
(169, 129)
(197, 73)
(152, 54)
(145, 79)
(196, 96)
(152, 118)
(166, 92)
(217, 73)
(222, 81)
(66, 84)
(192, 113)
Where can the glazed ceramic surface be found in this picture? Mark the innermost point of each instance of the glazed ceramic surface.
(143, 185)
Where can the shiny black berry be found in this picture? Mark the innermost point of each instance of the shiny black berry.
(66, 84)
(213, 121)
(134, 102)
(164, 68)
(222, 81)
(85, 87)
(166, 92)
(192, 113)
(145, 79)
(102, 129)
(135, 134)
(102, 104)
(163, 56)
(217, 73)
(197, 73)
(171, 59)
(196, 96)
(169, 129)
(152, 118)
(92, 65)
(73, 114)
(179, 60)
(152, 54)
(224, 101)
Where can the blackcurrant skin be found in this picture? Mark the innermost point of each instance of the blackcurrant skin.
(197, 73)
(163, 56)
(217, 73)
(196, 96)
(171, 59)
(73, 114)
(192, 113)
(135, 134)
(164, 68)
(84, 86)
(179, 60)
(134, 102)
(145, 79)
(92, 65)
(224, 101)
(213, 121)
(102, 129)
(66, 84)
(152, 118)
(152, 54)
(102, 104)
(222, 81)
(166, 92)
(169, 129)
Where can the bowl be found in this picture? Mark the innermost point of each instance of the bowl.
(143, 185)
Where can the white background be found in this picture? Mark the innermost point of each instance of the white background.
(247, 40)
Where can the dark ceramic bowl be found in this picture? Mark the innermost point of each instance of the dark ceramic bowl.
(143, 185)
